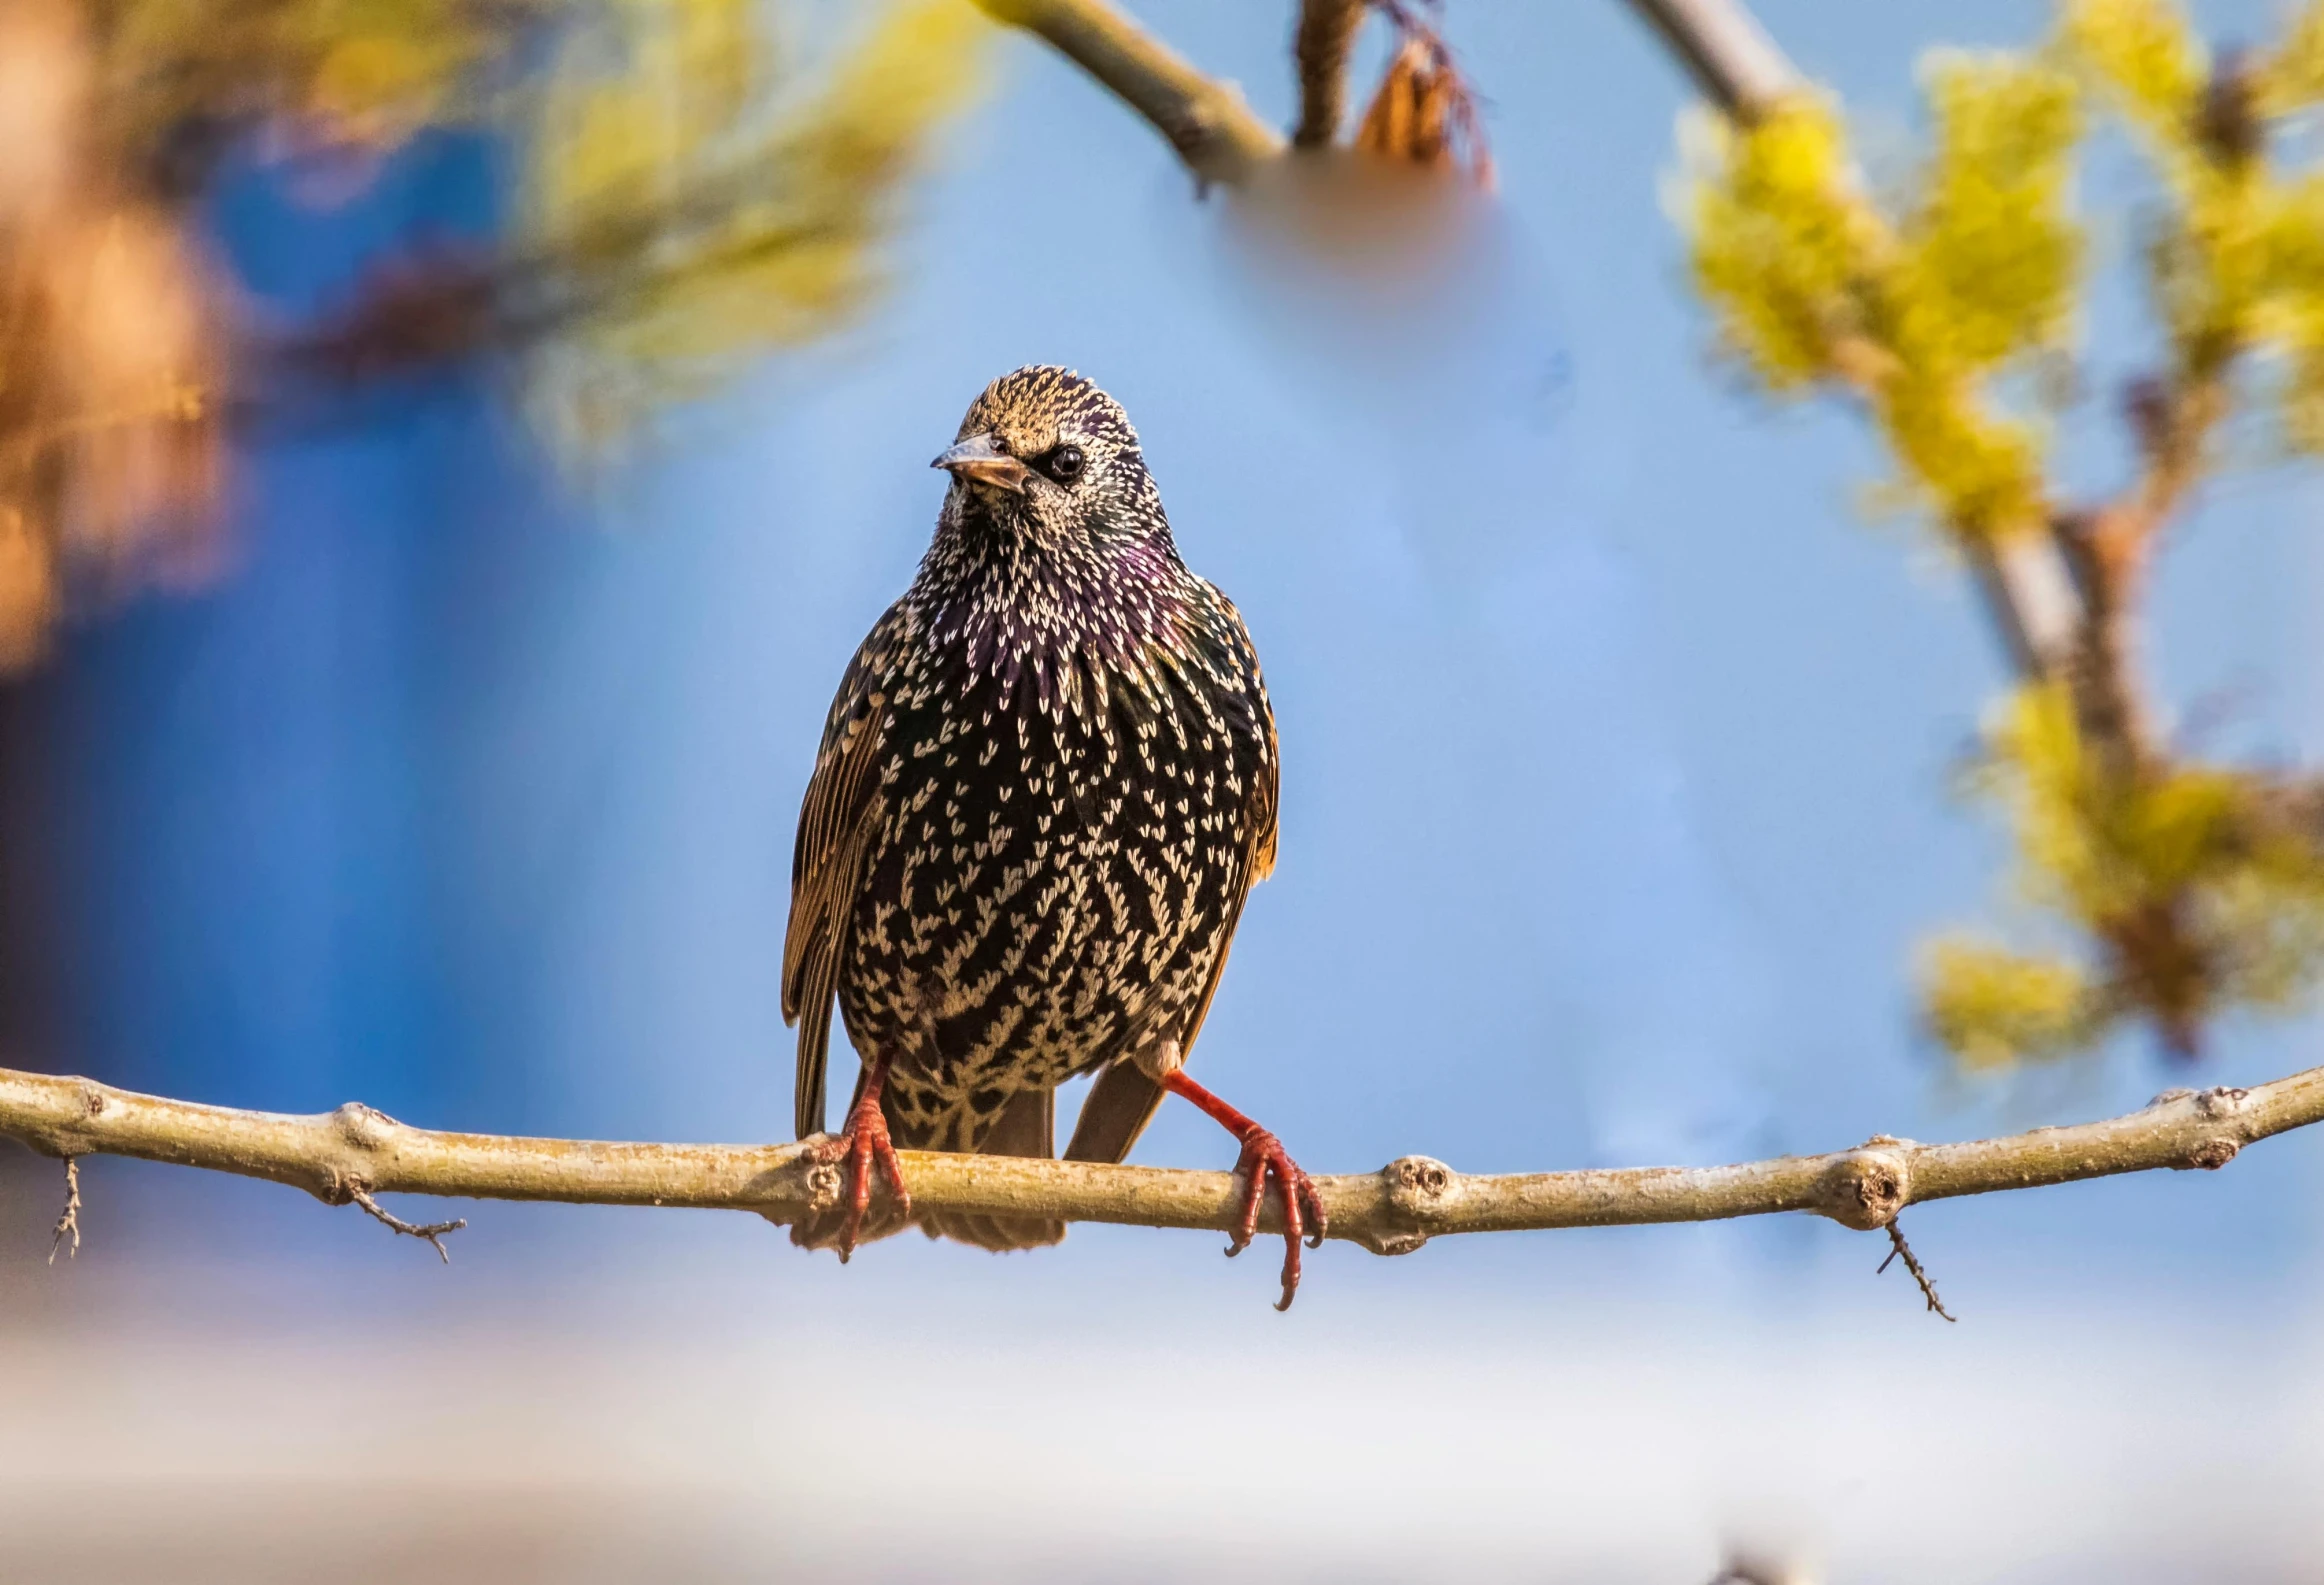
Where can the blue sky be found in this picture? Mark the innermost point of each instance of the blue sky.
(1616, 751)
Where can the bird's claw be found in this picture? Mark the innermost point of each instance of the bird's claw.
(863, 1145)
(1263, 1160)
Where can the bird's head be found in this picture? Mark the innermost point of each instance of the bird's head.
(1046, 457)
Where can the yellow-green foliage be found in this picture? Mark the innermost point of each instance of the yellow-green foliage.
(687, 205)
(1993, 249)
(2238, 255)
(1814, 282)
(2147, 55)
(2293, 77)
(1981, 262)
(2106, 850)
(2190, 890)
(686, 208)
(369, 71)
(1993, 1008)
(2098, 844)
(702, 228)
(1780, 239)
(2283, 307)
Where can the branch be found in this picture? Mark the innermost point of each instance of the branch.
(69, 1223)
(355, 1153)
(1734, 62)
(2108, 549)
(2064, 595)
(433, 1232)
(1897, 1246)
(1327, 34)
(1205, 120)
(2029, 593)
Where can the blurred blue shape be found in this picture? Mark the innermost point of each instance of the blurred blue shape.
(260, 801)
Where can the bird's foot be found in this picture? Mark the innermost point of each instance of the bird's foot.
(864, 1149)
(1265, 1159)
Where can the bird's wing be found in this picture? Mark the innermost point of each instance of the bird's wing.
(835, 824)
(1123, 1100)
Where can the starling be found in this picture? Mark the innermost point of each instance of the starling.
(1045, 789)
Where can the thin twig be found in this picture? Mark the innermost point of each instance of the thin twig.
(1326, 37)
(433, 1232)
(1897, 1246)
(1205, 120)
(69, 1224)
(1391, 1211)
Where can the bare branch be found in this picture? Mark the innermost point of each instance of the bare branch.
(69, 1224)
(433, 1232)
(358, 1151)
(2030, 598)
(1734, 62)
(1205, 120)
(1897, 1246)
(1327, 34)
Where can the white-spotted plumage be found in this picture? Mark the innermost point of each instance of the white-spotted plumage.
(1045, 787)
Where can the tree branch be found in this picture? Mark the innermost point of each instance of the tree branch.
(355, 1153)
(1897, 1246)
(2029, 594)
(68, 1224)
(1327, 35)
(1205, 120)
(1721, 44)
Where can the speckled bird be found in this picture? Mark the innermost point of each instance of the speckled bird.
(1044, 791)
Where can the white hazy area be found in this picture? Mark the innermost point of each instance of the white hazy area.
(682, 1420)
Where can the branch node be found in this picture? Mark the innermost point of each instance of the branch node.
(433, 1232)
(1897, 1246)
(365, 1127)
(2212, 1154)
(1865, 1188)
(1190, 131)
(2224, 1101)
(1386, 1243)
(821, 1176)
(1420, 1191)
(69, 1224)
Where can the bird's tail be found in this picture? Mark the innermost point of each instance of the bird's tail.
(1027, 1126)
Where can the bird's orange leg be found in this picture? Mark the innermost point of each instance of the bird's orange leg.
(1263, 1158)
(863, 1144)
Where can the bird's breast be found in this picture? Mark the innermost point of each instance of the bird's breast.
(1058, 851)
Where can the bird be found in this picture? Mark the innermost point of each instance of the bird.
(1044, 791)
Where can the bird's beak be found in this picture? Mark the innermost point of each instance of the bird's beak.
(979, 459)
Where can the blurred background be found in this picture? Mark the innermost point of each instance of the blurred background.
(450, 761)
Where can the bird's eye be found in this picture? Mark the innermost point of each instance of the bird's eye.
(1064, 464)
